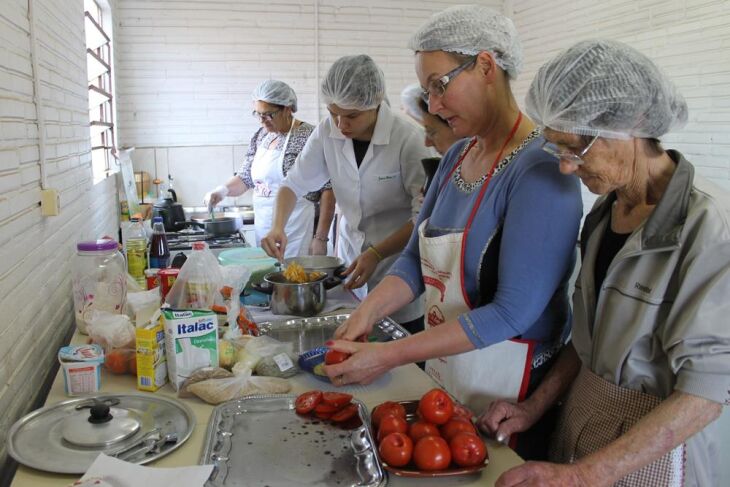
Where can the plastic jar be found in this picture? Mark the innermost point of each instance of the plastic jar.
(99, 280)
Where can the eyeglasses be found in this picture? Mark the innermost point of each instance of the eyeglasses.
(566, 154)
(437, 87)
(267, 116)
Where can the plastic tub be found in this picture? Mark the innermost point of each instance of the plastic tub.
(252, 257)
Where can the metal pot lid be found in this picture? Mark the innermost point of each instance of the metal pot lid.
(100, 426)
(316, 262)
(43, 439)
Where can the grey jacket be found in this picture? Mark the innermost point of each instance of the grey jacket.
(662, 320)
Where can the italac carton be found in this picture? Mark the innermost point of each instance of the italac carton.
(151, 357)
(191, 342)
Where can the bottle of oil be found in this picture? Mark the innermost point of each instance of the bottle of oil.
(136, 251)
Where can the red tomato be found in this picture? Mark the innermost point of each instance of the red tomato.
(117, 361)
(335, 357)
(436, 406)
(396, 449)
(419, 429)
(336, 399)
(432, 453)
(305, 403)
(324, 408)
(345, 413)
(456, 426)
(388, 407)
(462, 411)
(391, 424)
(467, 450)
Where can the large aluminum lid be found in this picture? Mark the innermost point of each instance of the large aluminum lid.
(60, 439)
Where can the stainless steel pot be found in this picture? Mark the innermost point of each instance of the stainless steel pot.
(330, 265)
(305, 299)
(219, 226)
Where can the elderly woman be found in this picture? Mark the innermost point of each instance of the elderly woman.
(648, 367)
(437, 131)
(373, 159)
(496, 235)
(271, 154)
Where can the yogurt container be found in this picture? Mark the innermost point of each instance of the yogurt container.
(81, 365)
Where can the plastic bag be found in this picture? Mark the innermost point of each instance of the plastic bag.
(216, 391)
(198, 281)
(277, 358)
(203, 373)
(111, 330)
(142, 305)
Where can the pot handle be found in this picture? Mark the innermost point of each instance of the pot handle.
(173, 193)
(338, 273)
(263, 287)
(332, 282)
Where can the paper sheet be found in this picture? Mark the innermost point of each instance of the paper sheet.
(118, 473)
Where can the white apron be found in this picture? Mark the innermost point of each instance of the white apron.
(267, 173)
(478, 377)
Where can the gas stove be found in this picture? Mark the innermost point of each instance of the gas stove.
(182, 241)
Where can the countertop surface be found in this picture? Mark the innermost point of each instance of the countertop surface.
(403, 383)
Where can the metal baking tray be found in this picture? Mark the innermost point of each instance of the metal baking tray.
(308, 333)
(260, 441)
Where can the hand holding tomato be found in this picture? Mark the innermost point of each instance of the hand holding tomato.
(335, 357)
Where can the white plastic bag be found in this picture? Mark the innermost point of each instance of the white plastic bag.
(111, 330)
(142, 305)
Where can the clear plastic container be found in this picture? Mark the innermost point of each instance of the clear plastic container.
(99, 280)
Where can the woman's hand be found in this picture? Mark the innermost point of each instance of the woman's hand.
(355, 327)
(361, 269)
(503, 418)
(274, 243)
(367, 362)
(317, 247)
(542, 474)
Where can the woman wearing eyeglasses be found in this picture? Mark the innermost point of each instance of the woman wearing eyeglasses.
(373, 158)
(495, 240)
(648, 366)
(271, 154)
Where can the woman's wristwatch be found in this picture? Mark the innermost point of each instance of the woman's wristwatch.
(321, 238)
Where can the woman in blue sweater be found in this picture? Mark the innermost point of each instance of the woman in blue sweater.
(495, 241)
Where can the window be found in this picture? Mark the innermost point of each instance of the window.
(99, 76)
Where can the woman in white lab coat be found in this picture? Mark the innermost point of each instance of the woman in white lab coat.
(271, 154)
(372, 158)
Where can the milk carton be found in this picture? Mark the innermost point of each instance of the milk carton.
(191, 342)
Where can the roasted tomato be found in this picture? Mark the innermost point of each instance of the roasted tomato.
(456, 426)
(419, 429)
(305, 403)
(388, 407)
(396, 449)
(432, 453)
(335, 357)
(336, 399)
(467, 450)
(347, 412)
(436, 406)
(391, 424)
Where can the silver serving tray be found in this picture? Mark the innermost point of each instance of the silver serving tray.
(260, 441)
(308, 333)
(35, 440)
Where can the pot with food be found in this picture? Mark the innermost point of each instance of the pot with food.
(296, 291)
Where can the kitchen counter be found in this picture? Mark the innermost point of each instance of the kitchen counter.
(403, 383)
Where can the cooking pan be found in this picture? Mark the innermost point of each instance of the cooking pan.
(219, 226)
(298, 299)
(327, 264)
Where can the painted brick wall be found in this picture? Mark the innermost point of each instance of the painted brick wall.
(36, 304)
(689, 39)
(186, 70)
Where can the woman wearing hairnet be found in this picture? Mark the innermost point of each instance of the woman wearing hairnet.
(438, 133)
(648, 367)
(271, 154)
(373, 159)
(496, 235)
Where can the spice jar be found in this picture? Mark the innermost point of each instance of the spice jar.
(99, 280)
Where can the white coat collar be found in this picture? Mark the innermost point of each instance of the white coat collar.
(383, 126)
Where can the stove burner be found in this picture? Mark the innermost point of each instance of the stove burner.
(184, 239)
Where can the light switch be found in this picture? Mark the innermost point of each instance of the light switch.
(50, 202)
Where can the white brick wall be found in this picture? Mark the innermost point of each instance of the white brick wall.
(186, 70)
(688, 39)
(35, 252)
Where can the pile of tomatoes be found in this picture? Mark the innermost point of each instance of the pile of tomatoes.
(442, 435)
(332, 406)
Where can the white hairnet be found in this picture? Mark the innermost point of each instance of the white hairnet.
(608, 89)
(354, 83)
(277, 93)
(469, 30)
(410, 97)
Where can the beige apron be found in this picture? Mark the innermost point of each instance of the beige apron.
(476, 378)
(597, 412)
